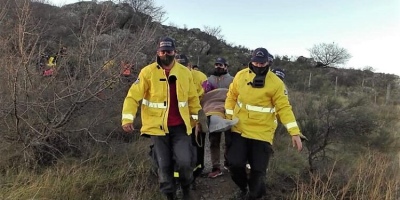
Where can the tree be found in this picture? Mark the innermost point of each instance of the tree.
(330, 122)
(49, 117)
(329, 54)
(147, 7)
(214, 31)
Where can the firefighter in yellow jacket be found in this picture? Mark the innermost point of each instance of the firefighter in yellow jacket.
(198, 76)
(253, 97)
(198, 137)
(169, 101)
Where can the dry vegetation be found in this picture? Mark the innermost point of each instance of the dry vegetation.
(371, 176)
(122, 172)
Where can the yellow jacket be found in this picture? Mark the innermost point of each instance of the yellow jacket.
(152, 86)
(256, 107)
(198, 79)
(51, 62)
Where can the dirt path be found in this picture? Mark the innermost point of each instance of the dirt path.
(220, 188)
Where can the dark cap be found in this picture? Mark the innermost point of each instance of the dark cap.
(260, 55)
(220, 61)
(270, 58)
(279, 72)
(182, 58)
(166, 44)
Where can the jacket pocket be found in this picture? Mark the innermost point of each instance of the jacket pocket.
(182, 92)
(156, 112)
(259, 116)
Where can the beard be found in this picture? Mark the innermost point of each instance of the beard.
(166, 60)
(219, 71)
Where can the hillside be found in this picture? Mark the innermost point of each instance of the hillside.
(60, 134)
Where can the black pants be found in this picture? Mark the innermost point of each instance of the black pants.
(174, 149)
(257, 153)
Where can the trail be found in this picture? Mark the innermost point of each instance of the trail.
(220, 188)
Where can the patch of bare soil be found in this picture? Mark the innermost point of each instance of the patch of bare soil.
(219, 188)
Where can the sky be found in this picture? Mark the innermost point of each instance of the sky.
(368, 29)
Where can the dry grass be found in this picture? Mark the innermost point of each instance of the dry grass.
(373, 176)
(120, 173)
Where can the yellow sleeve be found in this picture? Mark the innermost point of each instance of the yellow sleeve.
(135, 94)
(203, 78)
(231, 98)
(284, 110)
(51, 61)
(193, 98)
(198, 79)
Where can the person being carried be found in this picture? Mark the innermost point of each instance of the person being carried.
(213, 103)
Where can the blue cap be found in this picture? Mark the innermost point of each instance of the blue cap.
(270, 58)
(166, 44)
(220, 61)
(279, 72)
(182, 58)
(260, 55)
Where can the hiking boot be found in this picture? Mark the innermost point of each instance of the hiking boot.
(178, 192)
(240, 195)
(252, 198)
(170, 196)
(186, 193)
(203, 121)
(193, 186)
(226, 165)
(215, 172)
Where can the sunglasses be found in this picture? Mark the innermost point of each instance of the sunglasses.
(219, 65)
(169, 52)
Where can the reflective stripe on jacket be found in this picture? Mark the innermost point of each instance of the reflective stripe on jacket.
(152, 86)
(256, 107)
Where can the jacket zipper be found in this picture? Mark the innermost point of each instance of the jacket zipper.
(166, 102)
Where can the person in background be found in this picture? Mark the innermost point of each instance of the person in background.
(219, 79)
(280, 73)
(198, 137)
(195, 67)
(270, 59)
(198, 76)
(213, 103)
(253, 98)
